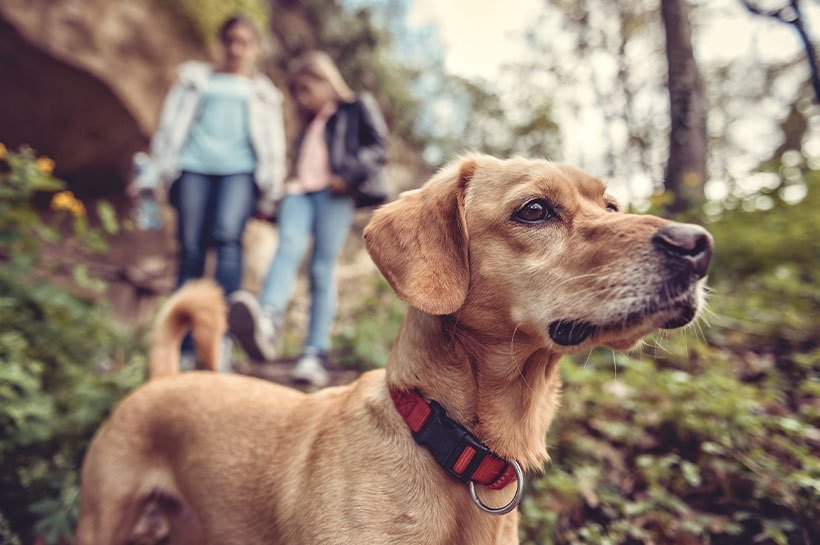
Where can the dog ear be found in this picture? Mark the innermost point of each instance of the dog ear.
(419, 242)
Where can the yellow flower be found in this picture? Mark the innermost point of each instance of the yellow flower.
(78, 209)
(65, 200)
(45, 165)
(3, 151)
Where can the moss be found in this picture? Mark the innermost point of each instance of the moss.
(204, 17)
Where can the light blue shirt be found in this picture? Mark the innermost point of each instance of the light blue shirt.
(219, 141)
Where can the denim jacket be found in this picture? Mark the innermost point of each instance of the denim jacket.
(265, 122)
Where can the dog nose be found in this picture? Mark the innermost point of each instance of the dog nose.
(687, 242)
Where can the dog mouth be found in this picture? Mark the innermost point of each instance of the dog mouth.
(677, 313)
(686, 314)
(570, 332)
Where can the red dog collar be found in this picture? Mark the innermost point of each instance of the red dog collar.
(453, 446)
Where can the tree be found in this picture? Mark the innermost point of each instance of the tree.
(791, 15)
(686, 168)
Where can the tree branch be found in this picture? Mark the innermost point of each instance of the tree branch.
(790, 14)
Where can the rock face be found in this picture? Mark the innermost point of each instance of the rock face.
(83, 81)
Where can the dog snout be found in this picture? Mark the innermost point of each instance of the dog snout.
(686, 243)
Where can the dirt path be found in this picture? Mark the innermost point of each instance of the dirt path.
(279, 371)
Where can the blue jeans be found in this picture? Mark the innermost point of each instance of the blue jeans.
(212, 211)
(328, 219)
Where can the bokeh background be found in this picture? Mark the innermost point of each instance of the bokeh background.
(702, 110)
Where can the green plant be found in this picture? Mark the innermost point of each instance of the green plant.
(678, 446)
(62, 364)
(766, 274)
(30, 242)
(365, 337)
(206, 16)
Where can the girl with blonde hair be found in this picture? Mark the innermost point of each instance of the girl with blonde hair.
(341, 149)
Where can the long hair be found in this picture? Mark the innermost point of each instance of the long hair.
(319, 65)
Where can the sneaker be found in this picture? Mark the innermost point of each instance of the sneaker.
(187, 361)
(255, 330)
(310, 369)
(225, 365)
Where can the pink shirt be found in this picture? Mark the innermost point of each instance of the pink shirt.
(313, 164)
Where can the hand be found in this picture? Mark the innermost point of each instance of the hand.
(337, 185)
(266, 209)
(136, 193)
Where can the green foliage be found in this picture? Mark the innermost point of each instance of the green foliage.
(62, 365)
(679, 447)
(24, 235)
(62, 368)
(365, 340)
(766, 273)
(21, 178)
(790, 236)
(206, 16)
(7, 536)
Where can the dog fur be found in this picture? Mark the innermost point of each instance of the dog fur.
(199, 306)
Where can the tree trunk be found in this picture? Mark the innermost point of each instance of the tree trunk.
(686, 169)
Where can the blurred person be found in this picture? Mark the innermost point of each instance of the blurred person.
(220, 152)
(340, 153)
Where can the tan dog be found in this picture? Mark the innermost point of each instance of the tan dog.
(507, 265)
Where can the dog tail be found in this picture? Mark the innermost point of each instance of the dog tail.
(199, 306)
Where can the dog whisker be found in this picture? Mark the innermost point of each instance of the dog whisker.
(578, 384)
(659, 344)
(614, 364)
(515, 363)
(697, 326)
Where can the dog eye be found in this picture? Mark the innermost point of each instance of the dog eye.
(612, 207)
(535, 211)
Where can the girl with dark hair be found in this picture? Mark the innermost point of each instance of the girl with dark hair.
(340, 154)
(220, 151)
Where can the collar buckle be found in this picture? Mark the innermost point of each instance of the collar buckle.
(453, 447)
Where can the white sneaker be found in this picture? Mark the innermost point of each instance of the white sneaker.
(225, 365)
(255, 331)
(310, 369)
(187, 361)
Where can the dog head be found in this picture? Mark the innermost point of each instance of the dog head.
(538, 248)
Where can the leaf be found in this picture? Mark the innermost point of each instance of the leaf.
(45, 183)
(691, 473)
(108, 217)
(80, 225)
(86, 281)
(49, 234)
(45, 507)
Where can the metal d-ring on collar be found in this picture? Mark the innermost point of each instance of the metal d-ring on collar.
(519, 485)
